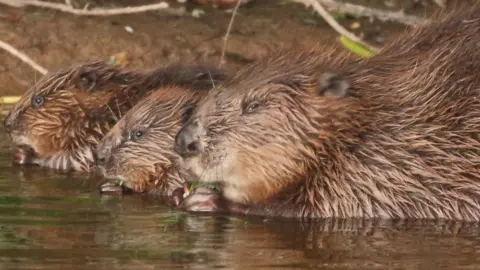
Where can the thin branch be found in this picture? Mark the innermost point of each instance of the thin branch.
(7, 47)
(382, 15)
(225, 39)
(12, 3)
(94, 12)
(440, 3)
(337, 27)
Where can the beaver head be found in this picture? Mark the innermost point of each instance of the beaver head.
(392, 136)
(248, 133)
(66, 114)
(139, 149)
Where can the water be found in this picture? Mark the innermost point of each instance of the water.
(58, 221)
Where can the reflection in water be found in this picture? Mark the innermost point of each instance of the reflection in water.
(50, 220)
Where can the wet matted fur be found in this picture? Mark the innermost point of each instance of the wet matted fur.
(64, 116)
(138, 151)
(302, 134)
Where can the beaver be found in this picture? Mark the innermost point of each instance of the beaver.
(138, 150)
(62, 118)
(303, 135)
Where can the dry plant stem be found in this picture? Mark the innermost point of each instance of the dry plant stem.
(440, 3)
(7, 47)
(337, 27)
(225, 39)
(382, 15)
(12, 3)
(94, 12)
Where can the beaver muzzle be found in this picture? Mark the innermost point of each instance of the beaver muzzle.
(187, 140)
(24, 155)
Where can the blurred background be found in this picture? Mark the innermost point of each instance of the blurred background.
(185, 31)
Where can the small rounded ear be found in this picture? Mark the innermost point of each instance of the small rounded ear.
(187, 111)
(201, 75)
(333, 85)
(86, 80)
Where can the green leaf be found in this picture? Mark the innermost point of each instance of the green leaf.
(338, 15)
(355, 47)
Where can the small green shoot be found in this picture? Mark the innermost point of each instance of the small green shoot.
(112, 60)
(196, 185)
(338, 15)
(119, 182)
(355, 47)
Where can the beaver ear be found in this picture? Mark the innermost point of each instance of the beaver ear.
(86, 80)
(333, 85)
(187, 111)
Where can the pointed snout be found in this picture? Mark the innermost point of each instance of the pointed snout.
(101, 154)
(187, 140)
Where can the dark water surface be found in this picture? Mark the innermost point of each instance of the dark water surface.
(58, 221)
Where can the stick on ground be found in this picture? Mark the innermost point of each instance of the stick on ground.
(357, 10)
(94, 12)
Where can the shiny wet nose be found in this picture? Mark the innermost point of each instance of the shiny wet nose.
(99, 158)
(187, 141)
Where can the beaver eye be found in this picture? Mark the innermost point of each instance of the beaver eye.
(38, 101)
(87, 81)
(136, 134)
(252, 106)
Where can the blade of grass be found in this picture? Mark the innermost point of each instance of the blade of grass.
(355, 47)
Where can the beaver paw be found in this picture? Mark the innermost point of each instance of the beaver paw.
(202, 200)
(114, 188)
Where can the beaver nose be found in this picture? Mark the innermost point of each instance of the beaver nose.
(99, 161)
(98, 158)
(187, 141)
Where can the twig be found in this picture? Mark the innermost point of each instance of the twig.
(7, 47)
(337, 27)
(12, 3)
(94, 12)
(440, 3)
(382, 15)
(225, 38)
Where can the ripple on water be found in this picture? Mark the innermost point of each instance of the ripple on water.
(52, 220)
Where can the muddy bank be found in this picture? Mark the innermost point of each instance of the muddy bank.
(55, 39)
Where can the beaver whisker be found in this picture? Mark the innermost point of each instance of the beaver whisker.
(118, 106)
(211, 79)
(113, 114)
(216, 168)
(201, 175)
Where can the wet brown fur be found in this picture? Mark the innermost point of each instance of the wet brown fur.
(83, 102)
(402, 141)
(146, 163)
